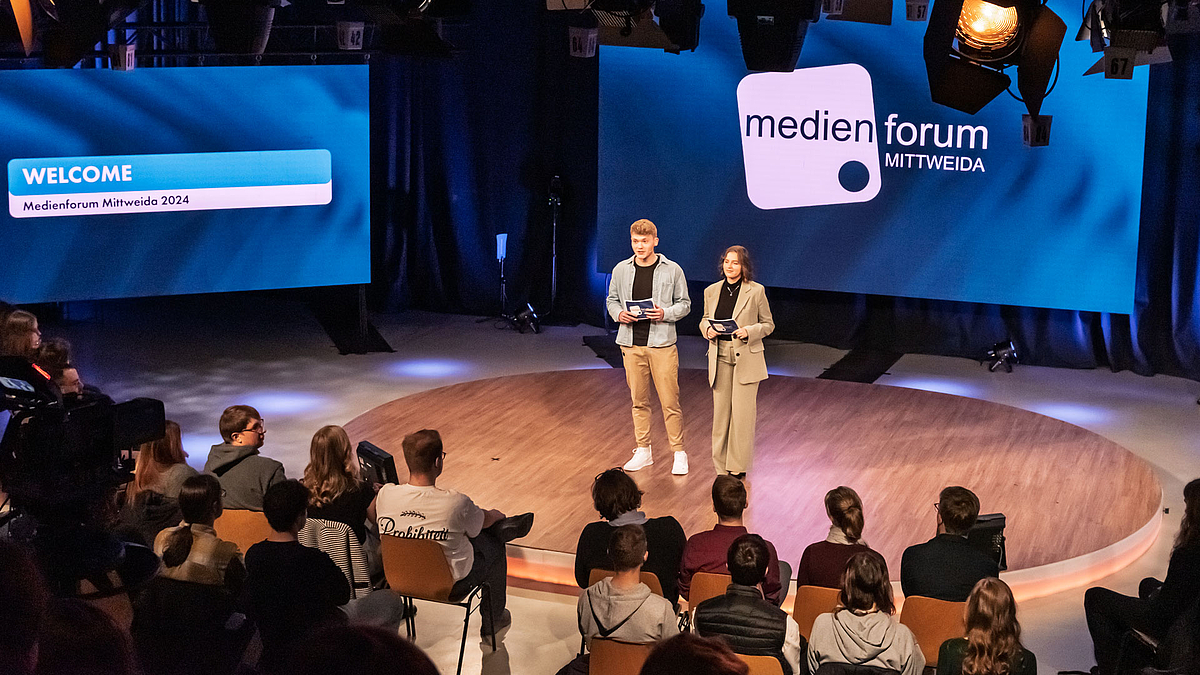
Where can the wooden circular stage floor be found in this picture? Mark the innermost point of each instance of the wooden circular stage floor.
(535, 442)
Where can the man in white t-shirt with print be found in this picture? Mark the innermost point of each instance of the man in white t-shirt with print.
(472, 538)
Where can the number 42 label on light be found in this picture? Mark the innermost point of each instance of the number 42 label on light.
(1119, 62)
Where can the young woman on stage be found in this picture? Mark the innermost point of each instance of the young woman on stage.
(736, 319)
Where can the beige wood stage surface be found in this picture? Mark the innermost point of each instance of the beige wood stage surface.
(535, 443)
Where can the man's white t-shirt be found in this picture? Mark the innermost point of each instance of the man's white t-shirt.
(430, 512)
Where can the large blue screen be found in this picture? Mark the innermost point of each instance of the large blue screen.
(844, 176)
(164, 181)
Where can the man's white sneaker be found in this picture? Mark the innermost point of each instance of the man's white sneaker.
(641, 459)
(681, 467)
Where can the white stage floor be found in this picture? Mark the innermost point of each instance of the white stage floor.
(273, 355)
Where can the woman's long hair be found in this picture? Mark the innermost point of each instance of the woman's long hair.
(331, 468)
(993, 634)
(200, 502)
(154, 458)
(845, 509)
(865, 584)
(16, 334)
(1189, 528)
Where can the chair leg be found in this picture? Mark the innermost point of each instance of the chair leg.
(462, 646)
(487, 594)
(410, 619)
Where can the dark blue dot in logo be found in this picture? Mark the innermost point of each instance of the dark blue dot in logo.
(854, 176)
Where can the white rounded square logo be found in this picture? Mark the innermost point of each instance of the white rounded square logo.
(809, 137)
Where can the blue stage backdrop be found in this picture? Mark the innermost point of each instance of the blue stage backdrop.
(163, 181)
(843, 176)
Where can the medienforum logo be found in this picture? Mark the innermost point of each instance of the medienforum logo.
(809, 137)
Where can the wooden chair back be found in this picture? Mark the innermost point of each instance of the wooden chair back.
(762, 665)
(932, 623)
(416, 568)
(244, 528)
(811, 602)
(707, 585)
(648, 578)
(615, 657)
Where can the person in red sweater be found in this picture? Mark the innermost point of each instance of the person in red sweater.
(823, 562)
(707, 551)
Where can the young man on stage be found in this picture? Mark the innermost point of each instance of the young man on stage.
(647, 338)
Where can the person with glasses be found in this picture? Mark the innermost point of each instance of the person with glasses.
(472, 539)
(947, 567)
(244, 473)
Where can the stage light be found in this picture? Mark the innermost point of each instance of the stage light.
(1002, 354)
(1131, 33)
(969, 43)
(987, 32)
(22, 15)
(528, 318)
(772, 31)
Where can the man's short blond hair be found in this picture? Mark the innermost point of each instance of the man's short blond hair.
(643, 227)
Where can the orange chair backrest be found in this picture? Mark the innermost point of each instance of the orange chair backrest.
(811, 602)
(707, 585)
(762, 665)
(614, 657)
(244, 528)
(648, 578)
(932, 623)
(416, 568)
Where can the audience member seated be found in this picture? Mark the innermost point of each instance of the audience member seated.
(152, 497)
(19, 335)
(363, 650)
(707, 551)
(744, 617)
(862, 631)
(1159, 604)
(822, 563)
(472, 539)
(80, 639)
(243, 472)
(947, 567)
(54, 357)
(290, 588)
(338, 493)
(993, 642)
(621, 607)
(690, 654)
(618, 499)
(22, 610)
(192, 551)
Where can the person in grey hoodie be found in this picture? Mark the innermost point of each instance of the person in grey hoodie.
(863, 631)
(621, 607)
(245, 475)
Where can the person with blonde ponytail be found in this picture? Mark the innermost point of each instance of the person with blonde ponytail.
(992, 645)
(823, 562)
(336, 491)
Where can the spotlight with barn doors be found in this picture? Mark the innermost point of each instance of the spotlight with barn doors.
(969, 44)
(772, 31)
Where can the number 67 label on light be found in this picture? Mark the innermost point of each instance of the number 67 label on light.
(1119, 62)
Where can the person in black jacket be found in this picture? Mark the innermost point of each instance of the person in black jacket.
(1159, 604)
(947, 567)
(290, 588)
(618, 499)
(749, 622)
